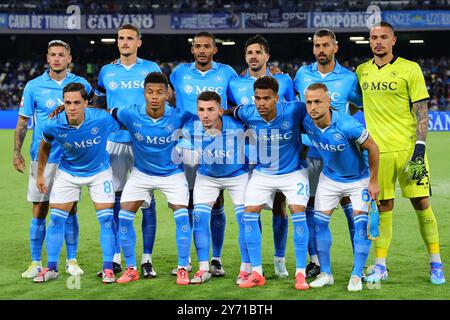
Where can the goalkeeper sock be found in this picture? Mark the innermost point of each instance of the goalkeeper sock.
(116, 225)
(383, 242)
(312, 232)
(71, 232)
(429, 230)
(149, 227)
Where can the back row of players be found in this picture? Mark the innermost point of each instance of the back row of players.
(138, 97)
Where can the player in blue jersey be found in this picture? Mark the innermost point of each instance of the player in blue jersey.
(82, 133)
(241, 92)
(188, 81)
(217, 144)
(275, 126)
(40, 97)
(123, 84)
(345, 96)
(339, 139)
(153, 127)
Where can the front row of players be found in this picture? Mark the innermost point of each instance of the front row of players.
(164, 138)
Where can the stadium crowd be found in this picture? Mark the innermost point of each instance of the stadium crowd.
(208, 6)
(14, 74)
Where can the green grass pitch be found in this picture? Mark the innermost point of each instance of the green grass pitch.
(407, 262)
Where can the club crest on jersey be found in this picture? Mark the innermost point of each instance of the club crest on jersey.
(144, 73)
(50, 103)
(245, 100)
(169, 128)
(394, 73)
(338, 137)
(94, 130)
(338, 84)
(188, 89)
(218, 79)
(285, 125)
(139, 136)
(113, 85)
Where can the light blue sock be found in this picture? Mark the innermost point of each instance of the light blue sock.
(202, 234)
(323, 240)
(149, 227)
(301, 237)
(107, 239)
(127, 236)
(280, 231)
(71, 233)
(362, 244)
(191, 218)
(218, 223)
(239, 211)
(116, 223)
(312, 249)
(183, 235)
(37, 236)
(348, 210)
(55, 236)
(253, 238)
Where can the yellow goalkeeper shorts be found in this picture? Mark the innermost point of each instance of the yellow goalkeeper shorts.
(391, 168)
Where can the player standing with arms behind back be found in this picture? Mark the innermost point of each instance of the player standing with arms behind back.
(40, 97)
(123, 84)
(395, 101)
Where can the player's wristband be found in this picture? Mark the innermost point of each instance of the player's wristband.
(419, 150)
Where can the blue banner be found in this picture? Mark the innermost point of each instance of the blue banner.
(339, 20)
(8, 119)
(418, 19)
(439, 121)
(3, 20)
(38, 21)
(205, 21)
(114, 21)
(275, 18)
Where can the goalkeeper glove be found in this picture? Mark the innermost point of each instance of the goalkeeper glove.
(415, 167)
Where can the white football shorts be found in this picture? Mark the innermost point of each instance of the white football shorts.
(121, 161)
(207, 188)
(140, 186)
(261, 188)
(315, 166)
(33, 194)
(330, 192)
(67, 188)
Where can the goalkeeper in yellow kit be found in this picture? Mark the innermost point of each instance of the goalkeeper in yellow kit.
(395, 100)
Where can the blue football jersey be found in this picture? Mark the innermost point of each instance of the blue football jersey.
(40, 97)
(222, 155)
(278, 141)
(84, 147)
(154, 140)
(189, 82)
(339, 147)
(124, 86)
(241, 89)
(342, 85)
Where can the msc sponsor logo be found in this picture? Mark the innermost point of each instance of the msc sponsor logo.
(380, 86)
(159, 140)
(219, 153)
(329, 147)
(218, 90)
(87, 143)
(135, 84)
(275, 136)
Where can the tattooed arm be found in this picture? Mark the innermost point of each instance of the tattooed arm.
(19, 137)
(420, 109)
